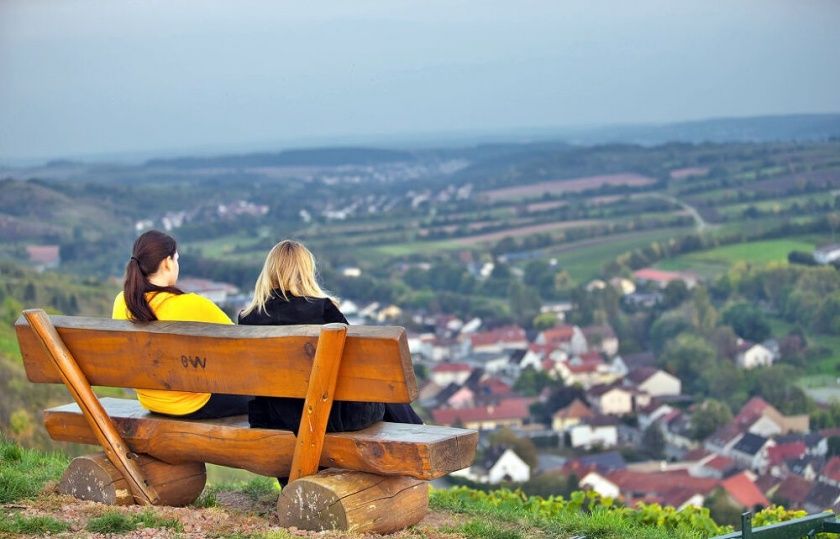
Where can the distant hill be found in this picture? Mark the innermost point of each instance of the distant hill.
(796, 127)
(306, 157)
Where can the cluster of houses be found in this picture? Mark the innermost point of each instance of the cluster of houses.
(761, 455)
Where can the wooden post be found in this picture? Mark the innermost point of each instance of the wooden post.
(319, 399)
(115, 449)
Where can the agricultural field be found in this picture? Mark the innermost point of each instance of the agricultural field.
(569, 185)
(713, 262)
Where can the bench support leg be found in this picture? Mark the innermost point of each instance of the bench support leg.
(353, 501)
(93, 477)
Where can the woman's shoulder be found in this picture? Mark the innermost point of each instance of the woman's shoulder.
(188, 307)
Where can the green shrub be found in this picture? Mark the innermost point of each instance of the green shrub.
(261, 487)
(207, 498)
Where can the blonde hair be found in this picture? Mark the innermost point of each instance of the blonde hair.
(289, 268)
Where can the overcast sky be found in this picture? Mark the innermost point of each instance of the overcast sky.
(98, 77)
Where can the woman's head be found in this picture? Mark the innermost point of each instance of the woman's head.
(289, 268)
(153, 267)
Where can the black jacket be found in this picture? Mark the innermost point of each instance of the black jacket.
(296, 310)
(284, 413)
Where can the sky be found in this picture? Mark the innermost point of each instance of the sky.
(86, 78)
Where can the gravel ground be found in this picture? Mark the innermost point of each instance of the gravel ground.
(235, 515)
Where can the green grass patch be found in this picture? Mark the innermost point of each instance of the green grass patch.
(715, 261)
(111, 522)
(480, 529)
(24, 472)
(418, 247)
(261, 487)
(224, 477)
(116, 522)
(15, 523)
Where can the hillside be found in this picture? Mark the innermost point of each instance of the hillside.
(22, 288)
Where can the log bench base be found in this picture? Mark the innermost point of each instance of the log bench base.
(93, 477)
(353, 501)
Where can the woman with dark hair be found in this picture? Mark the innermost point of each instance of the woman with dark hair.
(149, 293)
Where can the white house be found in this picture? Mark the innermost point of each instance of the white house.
(611, 399)
(592, 432)
(827, 254)
(444, 374)
(500, 465)
(600, 484)
(569, 339)
(509, 467)
(751, 355)
(570, 415)
(654, 382)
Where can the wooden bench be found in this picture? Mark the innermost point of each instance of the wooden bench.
(376, 478)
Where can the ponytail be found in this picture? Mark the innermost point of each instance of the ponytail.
(150, 249)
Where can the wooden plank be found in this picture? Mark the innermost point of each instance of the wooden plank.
(74, 379)
(319, 400)
(422, 451)
(192, 356)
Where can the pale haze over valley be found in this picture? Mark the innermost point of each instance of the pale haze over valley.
(89, 78)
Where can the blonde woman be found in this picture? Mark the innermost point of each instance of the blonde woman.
(287, 293)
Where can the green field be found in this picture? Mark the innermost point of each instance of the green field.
(715, 261)
(584, 260)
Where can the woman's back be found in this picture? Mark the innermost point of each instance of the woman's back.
(281, 311)
(174, 307)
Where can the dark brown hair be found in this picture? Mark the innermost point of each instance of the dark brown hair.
(150, 249)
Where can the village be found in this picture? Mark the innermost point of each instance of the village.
(606, 413)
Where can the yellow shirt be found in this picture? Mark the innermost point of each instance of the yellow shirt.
(184, 308)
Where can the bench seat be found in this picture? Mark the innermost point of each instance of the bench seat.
(422, 451)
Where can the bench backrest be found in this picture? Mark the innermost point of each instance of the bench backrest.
(273, 361)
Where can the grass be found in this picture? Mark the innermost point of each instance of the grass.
(15, 523)
(715, 261)
(480, 529)
(418, 247)
(115, 522)
(515, 517)
(584, 262)
(24, 472)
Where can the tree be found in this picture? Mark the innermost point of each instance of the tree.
(721, 509)
(708, 417)
(524, 302)
(675, 293)
(29, 293)
(747, 321)
(531, 382)
(523, 447)
(688, 357)
(653, 442)
(666, 328)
